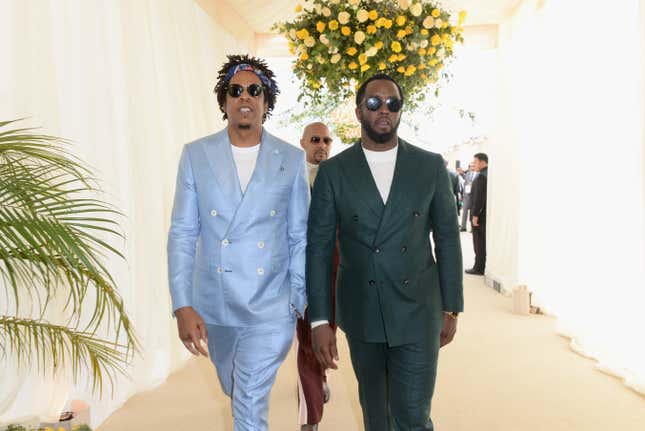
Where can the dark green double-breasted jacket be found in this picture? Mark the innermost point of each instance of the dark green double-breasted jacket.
(391, 287)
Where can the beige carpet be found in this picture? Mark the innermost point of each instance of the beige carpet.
(502, 373)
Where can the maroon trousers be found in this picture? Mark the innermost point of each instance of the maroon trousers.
(311, 375)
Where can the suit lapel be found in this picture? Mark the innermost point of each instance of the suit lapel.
(267, 168)
(403, 182)
(358, 173)
(220, 158)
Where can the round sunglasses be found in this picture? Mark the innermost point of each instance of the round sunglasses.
(236, 90)
(393, 104)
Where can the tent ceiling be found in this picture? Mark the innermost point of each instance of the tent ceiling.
(261, 14)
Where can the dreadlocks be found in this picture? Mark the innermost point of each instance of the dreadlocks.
(270, 87)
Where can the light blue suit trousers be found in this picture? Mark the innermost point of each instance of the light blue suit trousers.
(239, 260)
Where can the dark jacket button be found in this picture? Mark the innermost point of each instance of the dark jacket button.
(372, 282)
(406, 282)
(417, 214)
(404, 249)
(377, 250)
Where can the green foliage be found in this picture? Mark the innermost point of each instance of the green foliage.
(53, 242)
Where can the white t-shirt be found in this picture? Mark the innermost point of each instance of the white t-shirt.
(245, 158)
(382, 165)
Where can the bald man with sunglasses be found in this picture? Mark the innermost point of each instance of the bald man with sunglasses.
(396, 300)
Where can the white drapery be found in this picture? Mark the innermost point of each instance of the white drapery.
(129, 82)
(566, 183)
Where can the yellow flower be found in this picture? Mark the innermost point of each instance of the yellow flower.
(381, 66)
(359, 37)
(373, 15)
(438, 23)
(380, 22)
(400, 57)
(439, 66)
(410, 70)
(378, 45)
(320, 26)
(449, 43)
(432, 50)
(362, 59)
(346, 30)
(416, 9)
(435, 40)
(421, 66)
(351, 51)
(343, 17)
(422, 51)
(333, 24)
(326, 11)
(323, 39)
(436, 13)
(403, 4)
(396, 46)
(315, 84)
(371, 29)
(393, 58)
(292, 48)
(409, 30)
(400, 20)
(354, 2)
(388, 23)
(362, 15)
(445, 37)
(424, 32)
(401, 34)
(310, 41)
(334, 59)
(400, 69)
(445, 24)
(302, 34)
(433, 62)
(365, 67)
(462, 17)
(371, 52)
(428, 22)
(304, 56)
(298, 8)
(352, 66)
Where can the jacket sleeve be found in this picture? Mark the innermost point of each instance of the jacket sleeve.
(445, 233)
(297, 233)
(479, 190)
(321, 242)
(182, 238)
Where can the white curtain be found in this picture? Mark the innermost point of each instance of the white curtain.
(566, 178)
(130, 82)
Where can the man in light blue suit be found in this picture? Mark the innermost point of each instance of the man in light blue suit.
(236, 247)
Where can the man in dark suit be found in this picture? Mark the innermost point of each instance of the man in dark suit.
(478, 213)
(397, 302)
(455, 185)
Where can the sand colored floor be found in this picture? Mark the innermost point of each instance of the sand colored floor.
(502, 373)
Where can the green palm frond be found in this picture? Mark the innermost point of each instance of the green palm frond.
(54, 237)
(49, 346)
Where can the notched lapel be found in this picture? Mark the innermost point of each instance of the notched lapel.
(358, 173)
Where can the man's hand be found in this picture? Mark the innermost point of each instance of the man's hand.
(192, 330)
(475, 221)
(448, 330)
(323, 341)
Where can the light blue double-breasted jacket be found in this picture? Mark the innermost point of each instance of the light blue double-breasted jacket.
(239, 258)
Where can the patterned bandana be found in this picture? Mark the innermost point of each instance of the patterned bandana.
(248, 68)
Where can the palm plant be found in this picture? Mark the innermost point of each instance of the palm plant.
(53, 239)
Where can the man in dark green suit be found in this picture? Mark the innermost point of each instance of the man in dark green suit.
(397, 302)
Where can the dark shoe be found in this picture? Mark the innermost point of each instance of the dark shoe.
(313, 427)
(326, 393)
(463, 230)
(474, 272)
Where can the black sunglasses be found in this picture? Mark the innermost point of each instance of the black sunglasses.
(236, 90)
(317, 139)
(393, 104)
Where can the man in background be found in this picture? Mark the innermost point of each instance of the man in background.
(478, 213)
(468, 178)
(313, 391)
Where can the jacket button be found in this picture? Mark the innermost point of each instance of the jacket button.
(260, 271)
(214, 213)
(404, 249)
(406, 282)
(261, 244)
(377, 250)
(417, 214)
(372, 282)
(272, 213)
(225, 242)
(219, 269)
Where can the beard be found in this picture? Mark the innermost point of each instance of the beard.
(379, 138)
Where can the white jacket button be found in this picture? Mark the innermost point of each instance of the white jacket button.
(225, 242)
(260, 271)
(261, 244)
(273, 213)
(214, 213)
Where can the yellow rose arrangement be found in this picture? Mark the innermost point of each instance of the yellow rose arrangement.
(337, 44)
